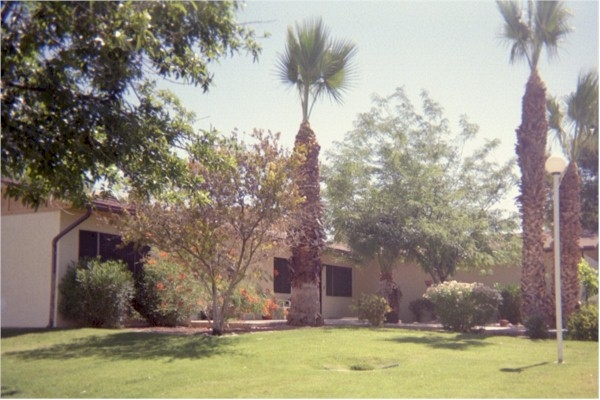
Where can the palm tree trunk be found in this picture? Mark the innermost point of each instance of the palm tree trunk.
(570, 231)
(308, 237)
(530, 149)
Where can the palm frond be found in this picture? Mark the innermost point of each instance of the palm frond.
(543, 27)
(582, 110)
(551, 25)
(316, 64)
(516, 32)
(578, 126)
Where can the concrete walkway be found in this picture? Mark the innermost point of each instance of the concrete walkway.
(258, 325)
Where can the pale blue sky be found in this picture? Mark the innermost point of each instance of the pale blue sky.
(449, 48)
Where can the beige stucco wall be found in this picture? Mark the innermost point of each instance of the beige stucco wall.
(365, 278)
(26, 267)
(26, 259)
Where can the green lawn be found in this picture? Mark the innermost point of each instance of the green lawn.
(312, 362)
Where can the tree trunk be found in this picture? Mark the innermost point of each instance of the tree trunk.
(389, 290)
(218, 322)
(307, 237)
(570, 232)
(530, 149)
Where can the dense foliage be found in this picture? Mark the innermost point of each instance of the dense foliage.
(583, 324)
(460, 306)
(403, 185)
(96, 293)
(372, 308)
(589, 279)
(166, 292)
(79, 106)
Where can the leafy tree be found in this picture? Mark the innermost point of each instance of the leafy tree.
(588, 276)
(542, 26)
(402, 187)
(573, 130)
(234, 204)
(79, 106)
(316, 65)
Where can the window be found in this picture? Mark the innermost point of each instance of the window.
(281, 276)
(338, 281)
(109, 247)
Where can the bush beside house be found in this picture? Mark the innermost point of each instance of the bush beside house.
(96, 293)
(460, 306)
(166, 295)
(373, 308)
(583, 324)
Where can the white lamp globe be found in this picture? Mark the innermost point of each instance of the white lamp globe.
(555, 164)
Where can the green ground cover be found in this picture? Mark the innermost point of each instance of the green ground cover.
(309, 363)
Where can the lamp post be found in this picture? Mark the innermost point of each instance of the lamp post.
(555, 165)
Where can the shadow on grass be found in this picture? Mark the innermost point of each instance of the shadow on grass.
(8, 392)
(14, 332)
(521, 369)
(132, 346)
(445, 341)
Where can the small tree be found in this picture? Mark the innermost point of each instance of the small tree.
(225, 216)
(402, 186)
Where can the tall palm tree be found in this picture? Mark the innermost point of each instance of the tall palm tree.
(573, 131)
(542, 26)
(317, 66)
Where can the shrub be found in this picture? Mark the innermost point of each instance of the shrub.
(536, 327)
(420, 308)
(583, 324)
(510, 308)
(96, 293)
(372, 308)
(461, 306)
(248, 300)
(166, 294)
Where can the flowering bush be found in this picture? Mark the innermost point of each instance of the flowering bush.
(461, 306)
(254, 301)
(372, 308)
(96, 293)
(166, 295)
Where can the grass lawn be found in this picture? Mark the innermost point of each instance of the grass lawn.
(311, 362)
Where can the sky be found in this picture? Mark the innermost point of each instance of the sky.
(451, 49)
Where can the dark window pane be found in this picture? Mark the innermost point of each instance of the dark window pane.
(338, 281)
(88, 244)
(110, 247)
(281, 276)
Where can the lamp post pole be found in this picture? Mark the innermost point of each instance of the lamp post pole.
(557, 283)
(555, 165)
